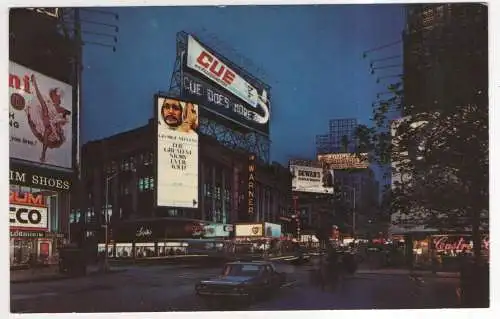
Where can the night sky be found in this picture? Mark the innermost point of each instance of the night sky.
(310, 55)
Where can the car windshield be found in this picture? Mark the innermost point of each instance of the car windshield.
(242, 270)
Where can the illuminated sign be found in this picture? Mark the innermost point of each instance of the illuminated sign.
(26, 198)
(457, 243)
(177, 153)
(344, 160)
(201, 61)
(251, 185)
(249, 230)
(51, 12)
(39, 118)
(219, 102)
(311, 179)
(34, 177)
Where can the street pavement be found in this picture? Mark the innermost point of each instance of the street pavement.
(163, 288)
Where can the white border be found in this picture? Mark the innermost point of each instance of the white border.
(494, 82)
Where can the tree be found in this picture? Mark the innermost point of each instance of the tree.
(345, 143)
(440, 161)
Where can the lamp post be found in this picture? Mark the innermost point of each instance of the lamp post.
(353, 209)
(106, 224)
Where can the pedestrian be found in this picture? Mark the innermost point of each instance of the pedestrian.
(32, 262)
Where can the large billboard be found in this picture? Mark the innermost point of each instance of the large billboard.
(210, 82)
(177, 153)
(40, 118)
(344, 160)
(311, 179)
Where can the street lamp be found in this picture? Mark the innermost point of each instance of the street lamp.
(106, 224)
(353, 209)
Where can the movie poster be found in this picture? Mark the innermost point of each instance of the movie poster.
(177, 154)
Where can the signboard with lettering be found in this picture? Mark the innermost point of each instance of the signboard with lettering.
(249, 230)
(177, 153)
(220, 103)
(311, 179)
(40, 118)
(457, 243)
(251, 186)
(38, 177)
(240, 98)
(27, 211)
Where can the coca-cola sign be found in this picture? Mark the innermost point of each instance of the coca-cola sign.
(458, 242)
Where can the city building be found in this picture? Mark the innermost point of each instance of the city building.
(445, 56)
(41, 178)
(125, 165)
(445, 65)
(341, 134)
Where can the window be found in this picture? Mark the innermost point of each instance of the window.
(146, 183)
(146, 158)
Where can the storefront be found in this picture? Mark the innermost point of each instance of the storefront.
(162, 237)
(38, 216)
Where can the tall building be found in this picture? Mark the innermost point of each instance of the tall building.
(340, 131)
(42, 171)
(445, 56)
(119, 174)
(445, 66)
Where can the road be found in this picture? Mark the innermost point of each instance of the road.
(166, 288)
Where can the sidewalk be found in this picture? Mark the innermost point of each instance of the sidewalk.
(51, 273)
(393, 271)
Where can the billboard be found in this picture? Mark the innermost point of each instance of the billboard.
(40, 118)
(249, 230)
(237, 99)
(217, 230)
(344, 160)
(27, 211)
(311, 179)
(177, 153)
(272, 230)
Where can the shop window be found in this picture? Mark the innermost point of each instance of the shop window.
(144, 250)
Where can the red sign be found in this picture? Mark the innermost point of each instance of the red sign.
(457, 243)
(215, 67)
(25, 199)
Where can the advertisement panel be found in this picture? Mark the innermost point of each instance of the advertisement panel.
(311, 179)
(249, 230)
(272, 230)
(344, 160)
(27, 211)
(251, 186)
(39, 118)
(38, 177)
(177, 153)
(217, 230)
(255, 106)
(219, 102)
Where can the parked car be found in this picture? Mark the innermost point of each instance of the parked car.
(242, 281)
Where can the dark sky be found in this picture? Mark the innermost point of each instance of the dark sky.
(310, 55)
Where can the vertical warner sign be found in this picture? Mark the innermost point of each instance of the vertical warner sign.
(177, 153)
(251, 185)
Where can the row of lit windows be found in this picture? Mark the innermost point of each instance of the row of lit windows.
(146, 183)
(130, 163)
